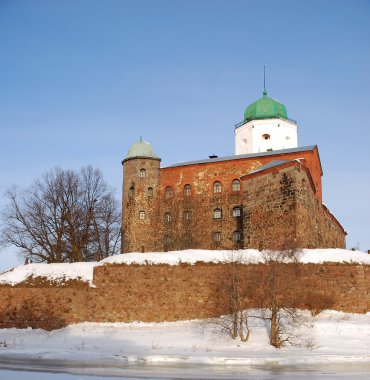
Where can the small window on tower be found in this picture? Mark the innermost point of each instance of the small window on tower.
(141, 215)
(217, 187)
(168, 192)
(167, 217)
(236, 236)
(150, 192)
(236, 212)
(266, 136)
(217, 213)
(187, 216)
(187, 190)
(236, 185)
(142, 173)
(217, 237)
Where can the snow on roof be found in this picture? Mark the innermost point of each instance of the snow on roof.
(84, 271)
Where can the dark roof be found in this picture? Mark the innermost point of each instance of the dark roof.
(241, 156)
(270, 165)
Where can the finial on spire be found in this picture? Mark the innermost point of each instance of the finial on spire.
(141, 138)
(264, 82)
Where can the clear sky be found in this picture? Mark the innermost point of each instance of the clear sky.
(81, 80)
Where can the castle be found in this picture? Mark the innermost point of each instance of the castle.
(267, 194)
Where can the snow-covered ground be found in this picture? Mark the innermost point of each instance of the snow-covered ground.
(331, 337)
(84, 271)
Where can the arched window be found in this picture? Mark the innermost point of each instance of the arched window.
(236, 185)
(287, 138)
(266, 136)
(142, 173)
(236, 236)
(237, 212)
(217, 213)
(150, 192)
(141, 215)
(187, 216)
(217, 187)
(217, 237)
(187, 190)
(167, 217)
(168, 192)
(131, 192)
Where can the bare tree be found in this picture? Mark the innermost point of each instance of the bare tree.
(233, 295)
(65, 216)
(275, 294)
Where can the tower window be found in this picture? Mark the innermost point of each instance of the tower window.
(168, 217)
(142, 173)
(217, 213)
(266, 136)
(217, 237)
(168, 192)
(141, 215)
(187, 216)
(131, 192)
(217, 187)
(236, 212)
(236, 185)
(187, 190)
(150, 192)
(236, 236)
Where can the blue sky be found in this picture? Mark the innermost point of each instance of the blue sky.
(82, 80)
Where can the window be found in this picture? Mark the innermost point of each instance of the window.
(217, 187)
(168, 192)
(236, 236)
(131, 192)
(236, 185)
(168, 217)
(266, 136)
(142, 173)
(150, 192)
(167, 241)
(236, 212)
(217, 213)
(141, 215)
(187, 190)
(217, 237)
(187, 216)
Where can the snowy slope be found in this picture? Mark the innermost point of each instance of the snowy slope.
(333, 337)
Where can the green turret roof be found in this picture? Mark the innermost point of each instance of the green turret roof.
(265, 108)
(141, 149)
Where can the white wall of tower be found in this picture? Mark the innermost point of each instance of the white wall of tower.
(263, 135)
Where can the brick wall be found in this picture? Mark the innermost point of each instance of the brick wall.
(155, 293)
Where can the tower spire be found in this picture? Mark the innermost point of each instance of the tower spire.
(264, 82)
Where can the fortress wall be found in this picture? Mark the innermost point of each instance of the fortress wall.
(282, 210)
(155, 293)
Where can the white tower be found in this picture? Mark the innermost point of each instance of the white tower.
(265, 127)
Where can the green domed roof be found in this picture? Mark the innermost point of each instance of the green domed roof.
(141, 149)
(265, 108)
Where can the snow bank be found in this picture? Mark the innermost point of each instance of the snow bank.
(331, 337)
(53, 272)
(84, 271)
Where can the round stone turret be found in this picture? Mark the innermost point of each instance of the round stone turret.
(140, 192)
(140, 149)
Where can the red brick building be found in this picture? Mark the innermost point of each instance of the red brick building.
(266, 195)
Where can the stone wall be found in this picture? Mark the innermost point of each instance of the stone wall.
(155, 293)
(281, 210)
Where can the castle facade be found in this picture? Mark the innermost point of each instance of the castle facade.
(267, 196)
